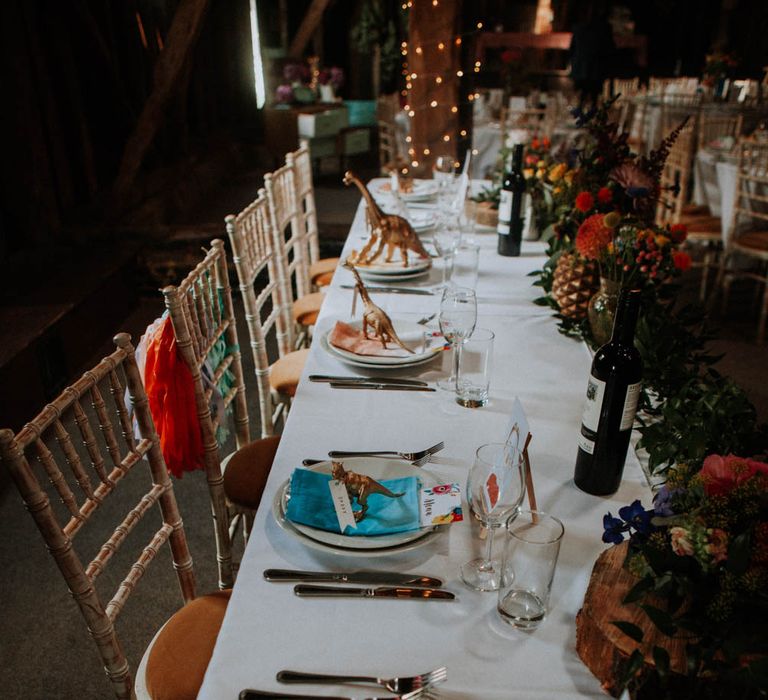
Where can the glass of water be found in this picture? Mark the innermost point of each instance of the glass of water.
(473, 379)
(457, 319)
(531, 548)
(446, 239)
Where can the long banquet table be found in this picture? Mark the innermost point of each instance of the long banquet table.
(268, 628)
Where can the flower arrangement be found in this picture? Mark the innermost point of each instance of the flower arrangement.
(717, 66)
(301, 81)
(702, 548)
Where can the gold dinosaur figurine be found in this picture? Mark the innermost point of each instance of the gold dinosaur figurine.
(359, 487)
(375, 317)
(388, 230)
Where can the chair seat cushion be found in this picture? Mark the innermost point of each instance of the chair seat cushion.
(247, 471)
(321, 272)
(306, 308)
(182, 649)
(284, 374)
(753, 242)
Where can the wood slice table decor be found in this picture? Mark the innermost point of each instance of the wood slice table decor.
(602, 646)
(486, 215)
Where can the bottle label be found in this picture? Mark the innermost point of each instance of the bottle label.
(586, 444)
(590, 418)
(505, 213)
(630, 406)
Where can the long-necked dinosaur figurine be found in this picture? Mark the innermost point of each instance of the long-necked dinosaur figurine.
(376, 317)
(360, 486)
(388, 230)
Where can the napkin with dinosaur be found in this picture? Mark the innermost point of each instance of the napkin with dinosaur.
(311, 504)
(349, 338)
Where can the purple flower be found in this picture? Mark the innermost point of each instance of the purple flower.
(637, 517)
(337, 77)
(614, 529)
(636, 182)
(324, 76)
(293, 72)
(662, 501)
(284, 94)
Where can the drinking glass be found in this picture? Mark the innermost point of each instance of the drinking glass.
(446, 239)
(466, 263)
(457, 318)
(444, 169)
(474, 372)
(530, 555)
(495, 490)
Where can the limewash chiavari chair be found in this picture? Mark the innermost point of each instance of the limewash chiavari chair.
(99, 446)
(301, 303)
(715, 127)
(320, 269)
(257, 261)
(748, 232)
(202, 316)
(704, 231)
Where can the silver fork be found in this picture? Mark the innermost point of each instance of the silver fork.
(418, 458)
(414, 686)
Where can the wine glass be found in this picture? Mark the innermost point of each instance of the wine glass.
(443, 170)
(495, 490)
(457, 318)
(446, 239)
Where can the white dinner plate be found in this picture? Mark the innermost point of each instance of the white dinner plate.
(406, 331)
(395, 267)
(422, 191)
(378, 277)
(378, 468)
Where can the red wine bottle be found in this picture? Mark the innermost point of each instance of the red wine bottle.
(609, 410)
(510, 226)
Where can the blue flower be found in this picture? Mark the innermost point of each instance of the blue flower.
(662, 501)
(614, 529)
(638, 192)
(637, 517)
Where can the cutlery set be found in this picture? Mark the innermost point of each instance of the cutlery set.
(417, 459)
(381, 383)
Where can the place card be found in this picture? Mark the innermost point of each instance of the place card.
(440, 505)
(342, 505)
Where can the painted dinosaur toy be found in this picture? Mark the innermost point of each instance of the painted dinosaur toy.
(375, 317)
(359, 487)
(388, 230)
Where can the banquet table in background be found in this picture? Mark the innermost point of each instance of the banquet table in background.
(268, 628)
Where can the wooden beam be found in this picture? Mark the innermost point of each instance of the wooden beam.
(169, 67)
(307, 28)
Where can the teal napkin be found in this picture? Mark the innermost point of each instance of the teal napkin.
(311, 504)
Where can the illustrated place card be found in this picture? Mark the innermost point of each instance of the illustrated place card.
(440, 505)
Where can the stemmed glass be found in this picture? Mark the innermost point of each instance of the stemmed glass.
(457, 319)
(443, 170)
(495, 490)
(446, 239)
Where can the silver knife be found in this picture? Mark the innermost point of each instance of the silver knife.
(251, 694)
(358, 380)
(392, 578)
(397, 592)
(394, 290)
(385, 387)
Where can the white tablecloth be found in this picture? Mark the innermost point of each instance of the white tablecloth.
(267, 628)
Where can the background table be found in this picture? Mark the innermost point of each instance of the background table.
(267, 628)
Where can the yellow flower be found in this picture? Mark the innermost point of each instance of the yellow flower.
(557, 172)
(661, 241)
(568, 177)
(612, 219)
(540, 174)
(557, 190)
(541, 164)
(528, 173)
(610, 248)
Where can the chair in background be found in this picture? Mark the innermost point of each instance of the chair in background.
(719, 129)
(256, 260)
(99, 446)
(320, 269)
(675, 108)
(203, 321)
(704, 232)
(748, 231)
(301, 303)
(388, 150)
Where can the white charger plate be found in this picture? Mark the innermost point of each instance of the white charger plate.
(378, 468)
(404, 329)
(395, 268)
(422, 191)
(378, 277)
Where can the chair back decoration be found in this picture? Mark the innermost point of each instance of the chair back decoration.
(99, 448)
(301, 163)
(255, 258)
(203, 322)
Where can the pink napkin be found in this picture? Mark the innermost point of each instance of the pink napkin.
(345, 337)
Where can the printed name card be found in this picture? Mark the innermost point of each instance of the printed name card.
(440, 505)
(342, 505)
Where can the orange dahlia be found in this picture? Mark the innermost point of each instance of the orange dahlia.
(593, 237)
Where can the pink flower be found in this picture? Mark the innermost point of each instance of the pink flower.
(717, 544)
(636, 182)
(720, 475)
(681, 544)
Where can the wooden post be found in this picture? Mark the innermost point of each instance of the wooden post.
(434, 57)
(182, 36)
(307, 28)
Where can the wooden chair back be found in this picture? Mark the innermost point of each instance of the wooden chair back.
(674, 108)
(389, 154)
(97, 445)
(713, 127)
(203, 321)
(301, 163)
(286, 222)
(258, 272)
(750, 208)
